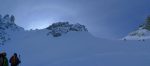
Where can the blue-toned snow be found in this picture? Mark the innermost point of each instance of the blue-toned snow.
(76, 49)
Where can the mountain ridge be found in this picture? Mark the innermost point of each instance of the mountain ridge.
(75, 47)
(8, 29)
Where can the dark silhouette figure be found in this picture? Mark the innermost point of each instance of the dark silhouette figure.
(5, 63)
(14, 60)
(3, 59)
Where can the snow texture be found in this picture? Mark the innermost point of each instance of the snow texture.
(76, 47)
(7, 27)
(140, 34)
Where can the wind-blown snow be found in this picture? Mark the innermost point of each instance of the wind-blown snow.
(76, 49)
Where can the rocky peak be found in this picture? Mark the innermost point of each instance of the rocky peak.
(59, 28)
(142, 33)
(7, 26)
(8, 22)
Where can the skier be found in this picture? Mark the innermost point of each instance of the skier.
(5, 60)
(1, 60)
(14, 60)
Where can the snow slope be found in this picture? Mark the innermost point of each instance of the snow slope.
(64, 44)
(76, 49)
(140, 34)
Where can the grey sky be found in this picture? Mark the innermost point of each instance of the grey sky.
(103, 18)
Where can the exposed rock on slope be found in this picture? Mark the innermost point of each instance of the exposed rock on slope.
(57, 29)
(142, 33)
(7, 27)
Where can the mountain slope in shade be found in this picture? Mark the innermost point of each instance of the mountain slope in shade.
(76, 49)
(64, 44)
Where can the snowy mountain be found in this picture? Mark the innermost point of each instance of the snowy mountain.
(64, 44)
(77, 49)
(140, 34)
(59, 28)
(7, 28)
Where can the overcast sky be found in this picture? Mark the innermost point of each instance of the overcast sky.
(111, 19)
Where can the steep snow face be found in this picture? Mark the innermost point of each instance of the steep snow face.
(8, 28)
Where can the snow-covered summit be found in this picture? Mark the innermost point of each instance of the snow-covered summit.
(9, 30)
(59, 28)
(77, 48)
(142, 33)
(139, 34)
(8, 23)
(7, 27)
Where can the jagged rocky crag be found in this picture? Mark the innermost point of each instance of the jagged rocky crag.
(9, 28)
(57, 29)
